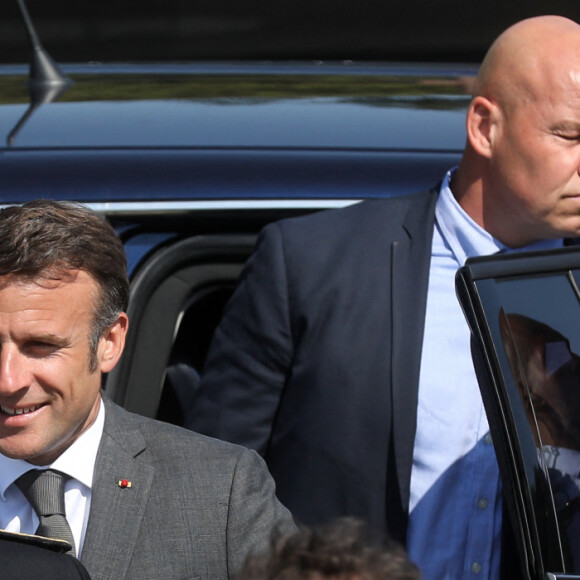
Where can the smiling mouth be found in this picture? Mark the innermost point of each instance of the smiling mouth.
(22, 411)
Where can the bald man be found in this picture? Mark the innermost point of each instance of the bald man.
(344, 357)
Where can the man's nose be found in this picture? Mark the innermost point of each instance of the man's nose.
(14, 370)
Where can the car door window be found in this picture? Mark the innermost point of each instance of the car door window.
(539, 325)
(524, 314)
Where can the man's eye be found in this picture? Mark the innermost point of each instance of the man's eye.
(41, 348)
(569, 136)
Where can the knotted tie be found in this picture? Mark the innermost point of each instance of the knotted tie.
(45, 492)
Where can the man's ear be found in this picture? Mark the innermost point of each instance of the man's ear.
(482, 118)
(113, 343)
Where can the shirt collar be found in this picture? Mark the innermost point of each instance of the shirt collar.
(78, 461)
(464, 236)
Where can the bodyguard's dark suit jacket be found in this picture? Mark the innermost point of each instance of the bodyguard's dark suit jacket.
(194, 509)
(316, 361)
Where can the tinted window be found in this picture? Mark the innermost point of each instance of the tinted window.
(538, 324)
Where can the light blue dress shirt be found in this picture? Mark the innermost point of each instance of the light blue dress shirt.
(455, 507)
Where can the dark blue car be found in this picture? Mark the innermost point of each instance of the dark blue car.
(190, 161)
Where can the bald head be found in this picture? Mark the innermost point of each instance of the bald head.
(519, 60)
(519, 178)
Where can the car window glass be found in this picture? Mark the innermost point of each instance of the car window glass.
(539, 327)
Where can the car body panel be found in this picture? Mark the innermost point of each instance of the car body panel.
(232, 132)
(121, 175)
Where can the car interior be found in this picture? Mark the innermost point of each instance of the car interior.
(180, 284)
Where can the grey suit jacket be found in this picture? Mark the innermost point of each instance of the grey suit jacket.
(316, 361)
(194, 509)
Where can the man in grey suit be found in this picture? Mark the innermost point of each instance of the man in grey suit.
(344, 357)
(135, 498)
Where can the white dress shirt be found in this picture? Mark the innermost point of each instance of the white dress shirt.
(78, 462)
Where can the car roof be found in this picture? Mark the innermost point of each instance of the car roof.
(248, 117)
(259, 105)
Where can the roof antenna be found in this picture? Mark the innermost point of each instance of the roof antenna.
(46, 82)
(43, 70)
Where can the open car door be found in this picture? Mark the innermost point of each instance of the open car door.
(523, 310)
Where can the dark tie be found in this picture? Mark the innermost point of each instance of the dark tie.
(45, 492)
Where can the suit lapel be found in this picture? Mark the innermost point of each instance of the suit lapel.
(116, 511)
(411, 258)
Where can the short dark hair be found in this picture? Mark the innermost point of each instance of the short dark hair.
(46, 239)
(340, 549)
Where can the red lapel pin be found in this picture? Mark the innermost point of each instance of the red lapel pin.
(124, 483)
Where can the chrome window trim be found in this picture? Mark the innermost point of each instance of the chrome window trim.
(143, 207)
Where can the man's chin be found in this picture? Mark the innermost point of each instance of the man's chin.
(16, 454)
(26, 451)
